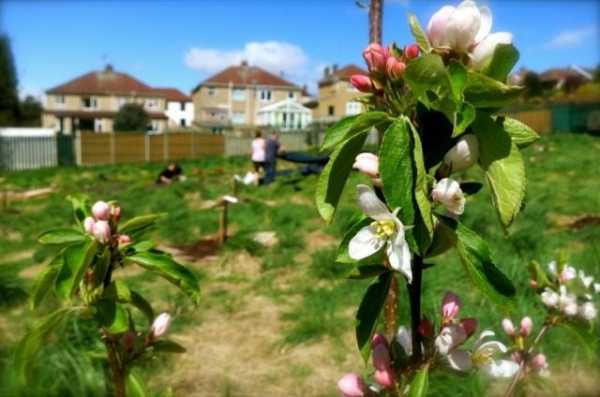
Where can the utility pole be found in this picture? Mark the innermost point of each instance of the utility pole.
(375, 20)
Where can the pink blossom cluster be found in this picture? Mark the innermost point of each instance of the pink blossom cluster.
(523, 353)
(103, 223)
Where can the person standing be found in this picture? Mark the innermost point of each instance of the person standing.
(258, 148)
(272, 149)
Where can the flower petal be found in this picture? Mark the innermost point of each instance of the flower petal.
(364, 244)
(459, 360)
(493, 347)
(484, 334)
(404, 338)
(399, 256)
(371, 205)
(485, 26)
(501, 368)
(484, 51)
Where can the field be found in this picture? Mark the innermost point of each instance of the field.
(276, 318)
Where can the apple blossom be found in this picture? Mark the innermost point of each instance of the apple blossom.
(160, 325)
(588, 311)
(362, 83)
(404, 338)
(352, 385)
(375, 56)
(450, 336)
(585, 279)
(395, 68)
(526, 326)
(464, 154)
(508, 327)
(101, 231)
(88, 224)
(101, 210)
(469, 325)
(115, 213)
(411, 51)
(124, 239)
(540, 364)
(484, 51)
(484, 356)
(450, 307)
(386, 231)
(448, 192)
(549, 297)
(384, 377)
(384, 374)
(567, 302)
(368, 164)
(568, 273)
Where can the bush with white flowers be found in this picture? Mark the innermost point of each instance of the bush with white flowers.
(436, 106)
(81, 276)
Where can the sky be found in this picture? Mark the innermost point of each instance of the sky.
(180, 43)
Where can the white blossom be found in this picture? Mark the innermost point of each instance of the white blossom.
(448, 192)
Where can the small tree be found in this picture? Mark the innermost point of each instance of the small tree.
(31, 112)
(9, 100)
(131, 117)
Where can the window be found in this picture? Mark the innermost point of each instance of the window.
(238, 118)
(331, 110)
(59, 99)
(121, 102)
(155, 125)
(90, 102)
(239, 94)
(152, 103)
(291, 94)
(353, 108)
(211, 91)
(264, 95)
(98, 125)
(183, 106)
(182, 122)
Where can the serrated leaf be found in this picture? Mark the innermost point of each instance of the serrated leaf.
(81, 207)
(504, 167)
(333, 177)
(134, 386)
(76, 260)
(520, 133)
(139, 224)
(118, 291)
(428, 78)
(458, 79)
(111, 315)
(367, 271)
(101, 266)
(482, 91)
(463, 118)
(505, 57)
(164, 265)
(352, 125)
(444, 238)
(45, 281)
(368, 312)
(62, 236)
(424, 219)
(420, 383)
(477, 262)
(418, 33)
(142, 305)
(165, 345)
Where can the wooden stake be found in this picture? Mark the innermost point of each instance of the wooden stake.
(223, 223)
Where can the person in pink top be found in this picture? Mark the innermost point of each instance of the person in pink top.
(258, 152)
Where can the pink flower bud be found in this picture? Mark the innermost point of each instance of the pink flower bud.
(124, 239)
(381, 356)
(395, 68)
(568, 273)
(426, 328)
(101, 231)
(450, 306)
(101, 210)
(526, 325)
(352, 385)
(368, 164)
(160, 325)
(88, 224)
(362, 83)
(539, 361)
(375, 56)
(115, 213)
(469, 325)
(379, 339)
(384, 377)
(508, 327)
(411, 51)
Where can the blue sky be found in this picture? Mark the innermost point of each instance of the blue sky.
(179, 43)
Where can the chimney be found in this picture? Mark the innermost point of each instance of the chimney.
(109, 68)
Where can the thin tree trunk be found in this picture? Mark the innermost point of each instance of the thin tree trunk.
(117, 370)
(391, 309)
(375, 20)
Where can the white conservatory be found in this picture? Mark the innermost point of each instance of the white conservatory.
(285, 115)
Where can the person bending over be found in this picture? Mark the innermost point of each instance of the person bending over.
(258, 152)
(170, 174)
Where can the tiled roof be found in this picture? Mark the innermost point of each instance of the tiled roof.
(172, 94)
(103, 82)
(97, 114)
(342, 74)
(243, 75)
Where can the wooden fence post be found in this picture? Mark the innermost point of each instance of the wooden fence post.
(223, 223)
(113, 155)
(165, 147)
(146, 147)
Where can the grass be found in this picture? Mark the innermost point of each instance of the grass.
(289, 302)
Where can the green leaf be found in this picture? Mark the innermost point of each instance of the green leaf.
(63, 236)
(118, 291)
(139, 224)
(142, 305)
(485, 92)
(420, 383)
(504, 59)
(418, 33)
(368, 312)
(444, 238)
(134, 386)
(165, 345)
(342, 255)
(145, 245)
(81, 207)
(463, 118)
(424, 220)
(45, 281)
(520, 133)
(428, 78)
(397, 173)
(458, 79)
(333, 178)
(164, 265)
(101, 266)
(76, 260)
(477, 261)
(32, 342)
(112, 315)
(367, 271)
(347, 127)
(583, 335)
(504, 167)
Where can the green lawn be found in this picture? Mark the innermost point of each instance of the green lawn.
(278, 320)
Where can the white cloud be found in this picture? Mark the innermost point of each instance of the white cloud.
(275, 56)
(571, 38)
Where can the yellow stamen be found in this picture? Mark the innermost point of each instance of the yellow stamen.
(384, 229)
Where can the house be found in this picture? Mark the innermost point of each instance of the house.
(180, 107)
(90, 103)
(337, 97)
(566, 79)
(245, 95)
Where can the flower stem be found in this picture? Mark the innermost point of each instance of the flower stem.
(391, 309)
(513, 384)
(117, 370)
(414, 294)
